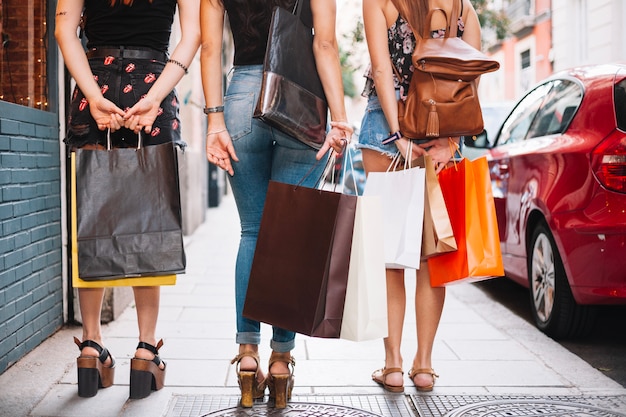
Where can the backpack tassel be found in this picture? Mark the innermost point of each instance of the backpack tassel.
(432, 123)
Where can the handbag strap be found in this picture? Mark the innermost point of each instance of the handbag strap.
(302, 9)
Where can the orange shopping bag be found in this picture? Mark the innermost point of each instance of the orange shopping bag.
(467, 192)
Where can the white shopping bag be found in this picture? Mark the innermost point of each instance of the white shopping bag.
(402, 197)
(365, 308)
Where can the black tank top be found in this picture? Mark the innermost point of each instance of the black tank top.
(249, 24)
(145, 23)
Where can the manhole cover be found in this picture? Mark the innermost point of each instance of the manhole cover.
(519, 406)
(294, 410)
(530, 408)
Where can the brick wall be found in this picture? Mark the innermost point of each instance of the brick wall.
(31, 286)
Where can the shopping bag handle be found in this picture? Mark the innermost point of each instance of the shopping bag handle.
(109, 145)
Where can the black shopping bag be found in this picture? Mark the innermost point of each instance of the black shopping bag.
(129, 221)
(300, 269)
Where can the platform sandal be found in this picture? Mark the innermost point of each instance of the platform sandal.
(429, 371)
(281, 385)
(380, 377)
(146, 375)
(251, 388)
(92, 373)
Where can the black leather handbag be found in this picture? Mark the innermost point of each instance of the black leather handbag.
(292, 98)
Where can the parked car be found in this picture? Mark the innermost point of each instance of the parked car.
(558, 172)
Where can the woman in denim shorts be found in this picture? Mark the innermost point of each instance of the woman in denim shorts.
(124, 85)
(391, 43)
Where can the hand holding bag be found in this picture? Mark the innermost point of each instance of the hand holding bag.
(467, 191)
(292, 97)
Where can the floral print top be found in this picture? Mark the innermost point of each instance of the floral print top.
(401, 46)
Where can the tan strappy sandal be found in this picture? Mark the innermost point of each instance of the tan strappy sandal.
(281, 385)
(380, 377)
(429, 371)
(251, 388)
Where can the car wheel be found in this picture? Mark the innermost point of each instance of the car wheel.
(554, 309)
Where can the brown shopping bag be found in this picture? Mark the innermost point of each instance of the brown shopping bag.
(365, 308)
(437, 235)
(467, 191)
(77, 282)
(129, 221)
(300, 268)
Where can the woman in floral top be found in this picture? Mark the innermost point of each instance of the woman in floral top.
(390, 43)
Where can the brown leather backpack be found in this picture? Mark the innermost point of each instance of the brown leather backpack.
(442, 99)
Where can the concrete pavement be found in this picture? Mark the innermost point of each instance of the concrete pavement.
(483, 353)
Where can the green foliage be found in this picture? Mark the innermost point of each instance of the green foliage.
(353, 38)
(493, 19)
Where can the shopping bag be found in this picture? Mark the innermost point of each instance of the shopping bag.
(467, 192)
(365, 309)
(129, 220)
(300, 267)
(402, 196)
(292, 97)
(437, 235)
(77, 282)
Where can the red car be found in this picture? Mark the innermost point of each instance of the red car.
(558, 172)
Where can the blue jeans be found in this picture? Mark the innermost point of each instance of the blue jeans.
(265, 154)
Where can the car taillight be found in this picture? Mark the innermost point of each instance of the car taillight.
(609, 163)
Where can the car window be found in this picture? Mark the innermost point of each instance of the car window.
(517, 124)
(557, 109)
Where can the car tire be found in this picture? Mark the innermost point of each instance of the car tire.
(553, 306)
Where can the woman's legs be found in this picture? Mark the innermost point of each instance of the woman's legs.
(429, 303)
(90, 302)
(147, 301)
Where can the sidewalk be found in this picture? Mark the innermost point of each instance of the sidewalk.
(482, 352)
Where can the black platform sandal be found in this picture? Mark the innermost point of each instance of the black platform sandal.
(92, 373)
(146, 375)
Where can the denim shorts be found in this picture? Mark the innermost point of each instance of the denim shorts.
(374, 129)
(123, 81)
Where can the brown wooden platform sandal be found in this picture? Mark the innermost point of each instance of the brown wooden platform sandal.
(281, 385)
(380, 377)
(146, 375)
(429, 371)
(92, 373)
(251, 388)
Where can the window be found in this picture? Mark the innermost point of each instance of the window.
(516, 126)
(557, 110)
(23, 60)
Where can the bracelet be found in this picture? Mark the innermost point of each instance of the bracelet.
(392, 138)
(215, 132)
(180, 64)
(217, 109)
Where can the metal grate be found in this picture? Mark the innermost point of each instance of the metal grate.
(519, 406)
